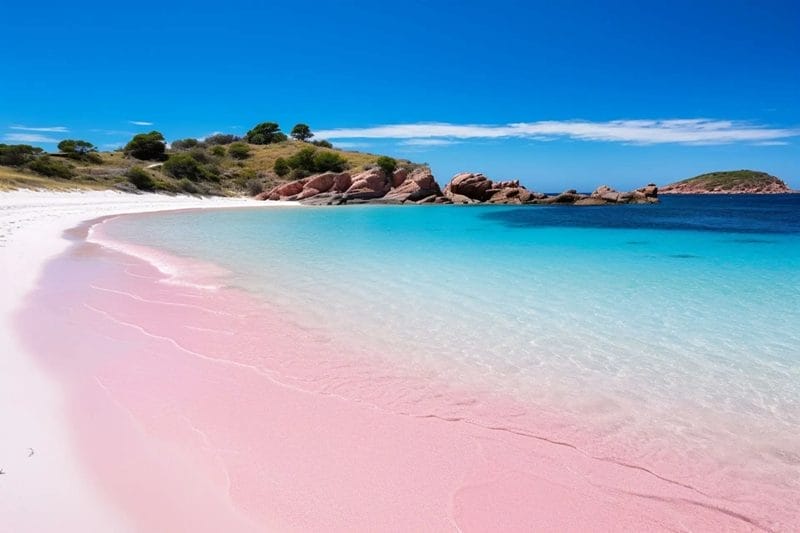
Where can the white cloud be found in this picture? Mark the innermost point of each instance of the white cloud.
(428, 142)
(54, 129)
(29, 138)
(771, 143)
(680, 131)
(140, 123)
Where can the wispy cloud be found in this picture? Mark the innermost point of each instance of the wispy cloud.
(428, 142)
(771, 143)
(28, 138)
(140, 123)
(351, 145)
(53, 129)
(675, 131)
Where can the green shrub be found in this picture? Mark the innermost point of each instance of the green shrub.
(329, 162)
(184, 144)
(146, 146)
(322, 143)
(254, 187)
(221, 138)
(186, 185)
(140, 178)
(47, 166)
(303, 159)
(387, 164)
(297, 174)
(281, 167)
(239, 150)
(17, 154)
(218, 151)
(184, 166)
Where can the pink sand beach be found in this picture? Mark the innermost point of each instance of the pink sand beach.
(191, 406)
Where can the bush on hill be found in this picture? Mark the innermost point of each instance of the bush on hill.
(47, 166)
(182, 166)
(140, 178)
(218, 151)
(146, 146)
(184, 144)
(222, 138)
(387, 164)
(239, 150)
(281, 167)
(329, 161)
(14, 155)
(322, 143)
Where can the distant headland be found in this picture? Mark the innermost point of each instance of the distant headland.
(729, 182)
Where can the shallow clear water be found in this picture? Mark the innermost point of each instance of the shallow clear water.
(669, 327)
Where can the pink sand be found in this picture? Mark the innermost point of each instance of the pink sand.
(202, 409)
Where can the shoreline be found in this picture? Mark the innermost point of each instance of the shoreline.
(47, 491)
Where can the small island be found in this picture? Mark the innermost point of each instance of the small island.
(729, 182)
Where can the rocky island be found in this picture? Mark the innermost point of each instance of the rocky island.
(729, 182)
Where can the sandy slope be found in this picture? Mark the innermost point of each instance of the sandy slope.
(46, 491)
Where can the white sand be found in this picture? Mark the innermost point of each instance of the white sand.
(48, 491)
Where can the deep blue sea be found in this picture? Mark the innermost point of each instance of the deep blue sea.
(677, 322)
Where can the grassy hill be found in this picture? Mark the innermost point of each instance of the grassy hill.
(223, 173)
(731, 181)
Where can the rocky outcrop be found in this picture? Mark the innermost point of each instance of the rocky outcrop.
(729, 182)
(413, 187)
(418, 186)
(309, 187)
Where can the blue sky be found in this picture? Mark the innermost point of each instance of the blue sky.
(554, 93)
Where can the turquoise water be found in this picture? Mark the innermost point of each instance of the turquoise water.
(672, 324)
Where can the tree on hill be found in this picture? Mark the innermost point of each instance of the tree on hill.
(76, 147)
(301, 132)
(309, 160)
(265, 133)
(146, 146)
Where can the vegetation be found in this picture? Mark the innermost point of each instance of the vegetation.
(140, 178)
(239, 150)
(77, 149)
(208, 167)
(301, 132)
(15, 155)
(387, 164)
(265, 133)
(309, 160)
(281, 167)
(192, 166)
(322, 143)
(48, 166)
(184, 144)
(731, 179)
(221, 138)
(146, 146)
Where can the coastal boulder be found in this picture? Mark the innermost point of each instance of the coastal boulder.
(473, 186)
(369, 184)
(321, 182)
(286, 189)
(399, 176)
(415, 186)
(342, 182)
